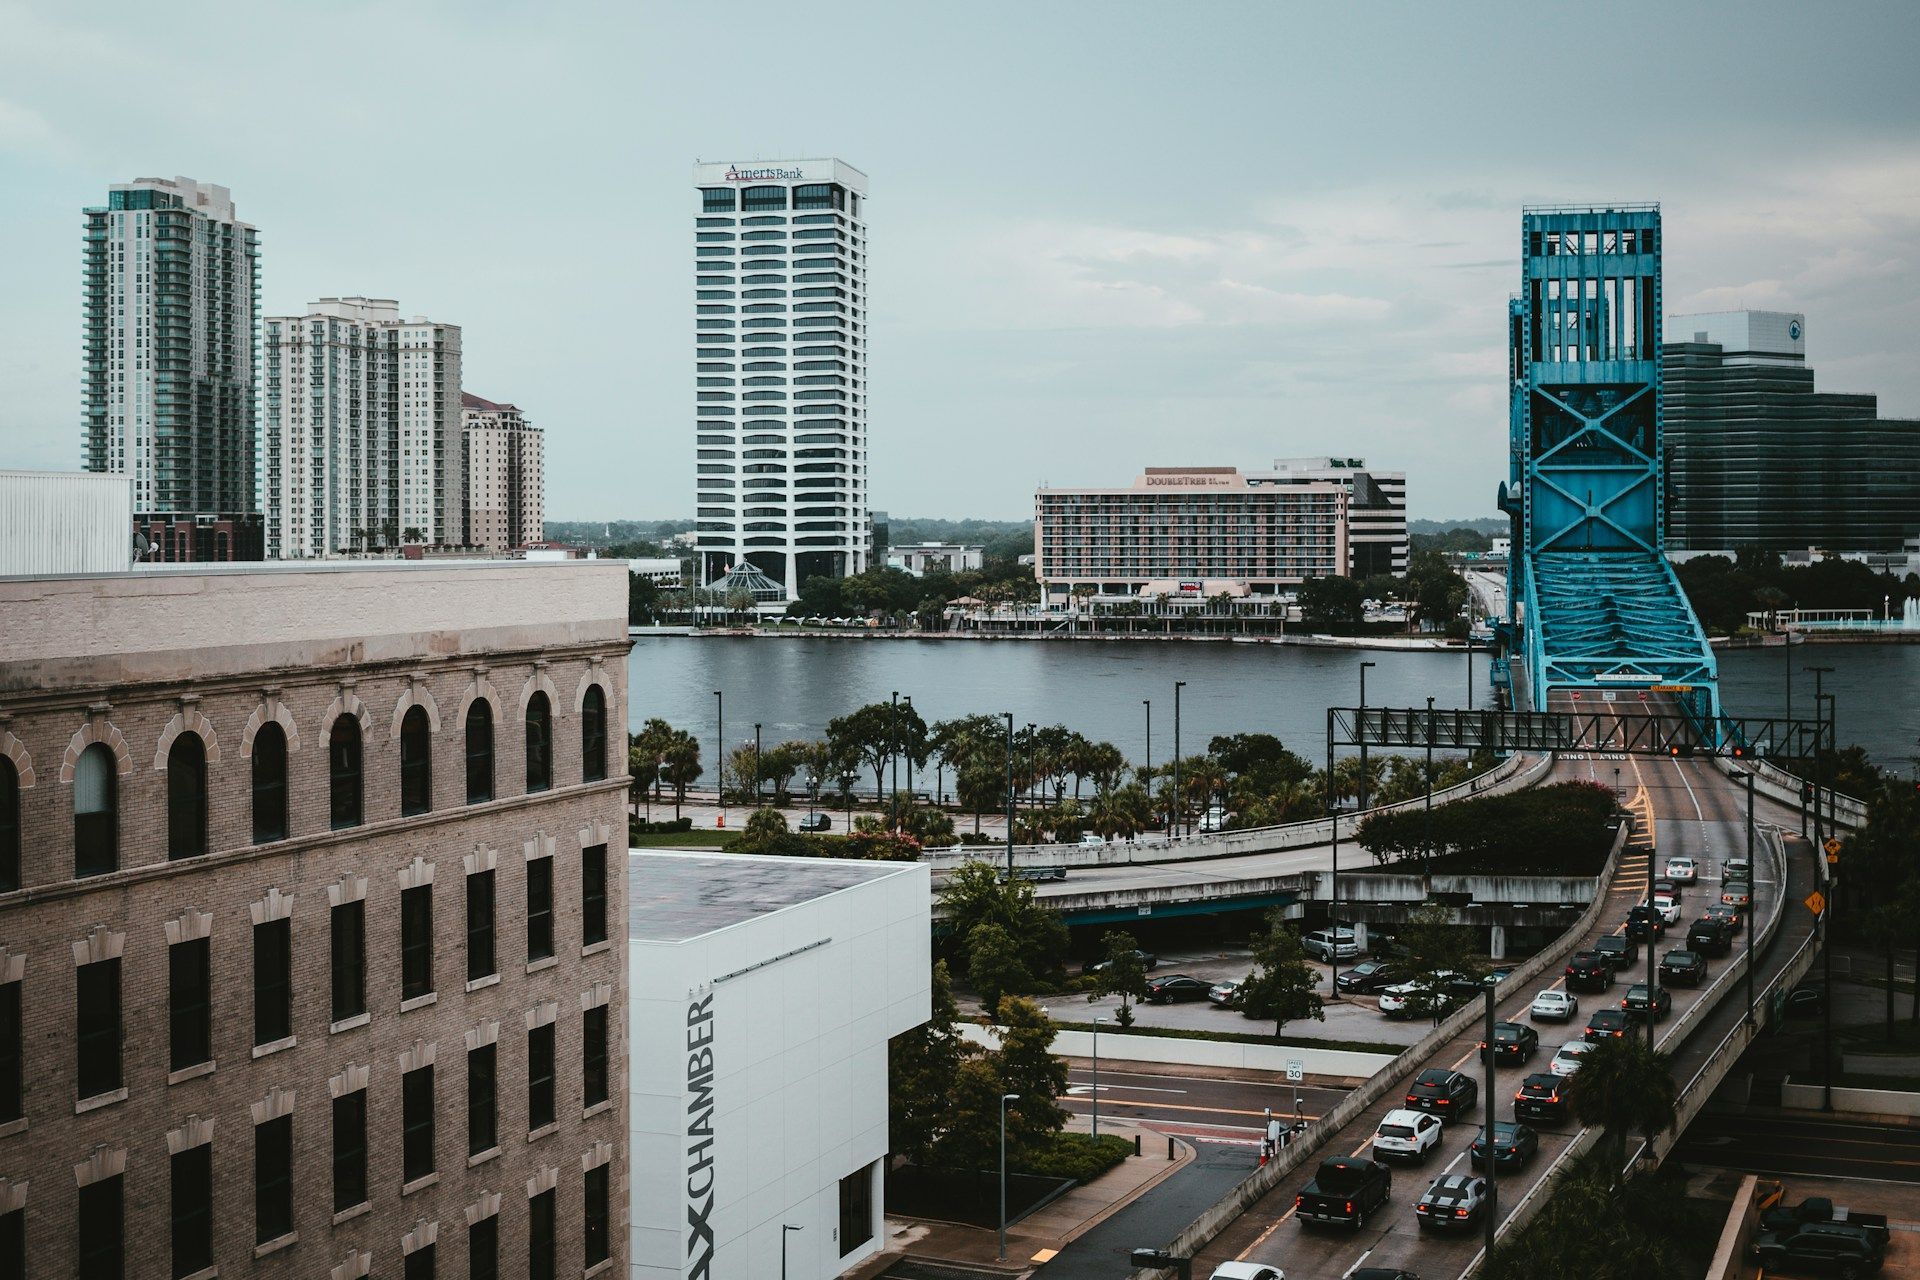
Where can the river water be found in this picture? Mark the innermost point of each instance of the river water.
(791, 687)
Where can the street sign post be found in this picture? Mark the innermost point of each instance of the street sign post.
(1817, 902)
(1296, 1070)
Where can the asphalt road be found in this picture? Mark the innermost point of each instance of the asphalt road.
(1801, 1146)
(1221, 1109)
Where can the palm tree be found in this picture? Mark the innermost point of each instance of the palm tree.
(680, 765)
(645, 752)
(1622, 1086)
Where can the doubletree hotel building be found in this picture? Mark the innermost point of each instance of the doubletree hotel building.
(781, 371)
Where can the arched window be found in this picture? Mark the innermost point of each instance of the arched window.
(9, 826)
(96, 812)
(479, 751)
(593, 736)
(269, 783)
(343, 772)
(187, 797)
(539, 743)
(416, 763)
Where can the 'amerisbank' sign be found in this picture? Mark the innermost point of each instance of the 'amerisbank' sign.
(735, 174)
(700, 1136)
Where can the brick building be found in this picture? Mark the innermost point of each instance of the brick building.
(311, 931)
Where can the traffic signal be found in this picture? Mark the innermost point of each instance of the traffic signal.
(1806, 791)
(1739, 753)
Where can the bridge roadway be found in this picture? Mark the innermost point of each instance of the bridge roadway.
(1696, 810)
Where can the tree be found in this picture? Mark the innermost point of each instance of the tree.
(1331, 602)
(921, 1066)
(1121, 974)
(1029, 1068)
(995, 963)
(875, 733)
(1281, 984)
(642, 594)
(971, 1137)
(1623, 1086)
(646, 752)
(1435, 946)
(973, 897)
(680, 766)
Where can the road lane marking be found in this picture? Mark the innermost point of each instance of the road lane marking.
(1130, 1088)
(1217, 1111)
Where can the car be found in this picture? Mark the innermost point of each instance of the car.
(1540, 1097)
(1225, 994)
(1513, 1145)
(1452, 1200)
(1674, 887)
(1726, 911)
(1512, 1042)
(1566, 1059)
(1554, 1005)
(1821, 1248)
(1619, 949)
(1247, 1271)
(1682, 868)
(1148, 962)
(1494, 977)
(1322, 943)
(1807, 998)
(1644, 924)
(816, 822)
(1668, 906)
(1739, 868)
(1406, 1135)
(1642, 1002)
(1369, 976)
(1440, 1089)
(1214, 819)
(1089, 838)
(1175, 988)
(1681, 968)
(1589, 970)
(1736, 893)
(1405, 999)
(1344, 1190)
(1605, 1023)
(1381, 1273)
(1710, 937)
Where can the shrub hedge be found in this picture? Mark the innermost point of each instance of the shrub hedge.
(1557, 830)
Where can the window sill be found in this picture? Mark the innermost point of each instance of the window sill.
(475, 1161)
(275, 1046)
(286, 1241)
(595, 948)
(12, 1127)
(204, 1273)
(474, 984)
(348, 1024)
(546, 962)
(352, 1212)
(100, 1100)
(420, 1183)
(419, 1002)
(597, 1268)
(193, 1072)
(544, 1131)
(596, 1108)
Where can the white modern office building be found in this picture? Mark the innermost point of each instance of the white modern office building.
(922, 558)
(171, 300)
(363, 443)
(762, 993)
(1376, 507)
(780, 287)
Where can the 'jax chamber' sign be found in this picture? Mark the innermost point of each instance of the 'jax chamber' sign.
(700, 1171)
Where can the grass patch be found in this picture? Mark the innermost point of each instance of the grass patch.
(1242, 1037)
(684, 840)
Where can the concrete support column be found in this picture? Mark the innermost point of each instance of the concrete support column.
(1497, 945)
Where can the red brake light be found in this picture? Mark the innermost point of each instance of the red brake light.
(1411, 1098)
(1459, 1213)
(1518, 1096)
(1349, 1206)
(1298, 1201)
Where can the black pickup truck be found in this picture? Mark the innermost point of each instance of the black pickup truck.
(1344, 1191)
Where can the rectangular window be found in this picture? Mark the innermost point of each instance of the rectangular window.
(12, 1050)
(483, 1249)
(272, 1179)
(416, 1121)
(593, 895)
(419, 1265)
(349, 1150)
(416, 941)
(593, 1054)
(102, 1226)
(272, 981)
(539, 909)
(856, 1210)
(98, 1043)
(349, 960)
(13, 1245)
(189, 1004)
(598, 1216)
(483, 1129)
(539, 1077)
(193, 1210)
(480, 962)
(540, 1265)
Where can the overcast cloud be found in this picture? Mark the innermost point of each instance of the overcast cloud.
(1104, 236)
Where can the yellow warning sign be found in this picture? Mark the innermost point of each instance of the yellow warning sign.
(1817, 902)
(1832, 846)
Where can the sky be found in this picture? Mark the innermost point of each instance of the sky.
(1103, 236)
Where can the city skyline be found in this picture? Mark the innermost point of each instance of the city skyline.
(1077, 266)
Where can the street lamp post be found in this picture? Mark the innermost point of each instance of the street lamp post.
(1178, 806)
(1469, 669)
(909, 755)
(1148, 704)
(1363, 733)
(1009, 716)
(1005, 1098)
(1819, 851)
(893, 748)
(1756, 884)
(720, 751)
(784, 1228)
(1096, 1074)
(1333, 890)
(1426, 838)
(756, 766)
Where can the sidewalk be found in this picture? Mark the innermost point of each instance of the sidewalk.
(1046, 1231)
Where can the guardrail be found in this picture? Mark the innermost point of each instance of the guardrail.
(1777, 784)
(1199, 1233)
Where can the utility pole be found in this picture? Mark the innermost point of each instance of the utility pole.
(1333, 889)
(1009, 716)
(1750, 909)
(756, 766)
(1826, 914)
(1148, 704)
(893, 750)
(1362, 735)
(1179, 804)
(1426, 840)
(1490, 1133)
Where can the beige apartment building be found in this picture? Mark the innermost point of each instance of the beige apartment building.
(506, 483)
(313, 922)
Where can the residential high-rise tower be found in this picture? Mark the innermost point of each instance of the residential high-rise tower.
(781, 360)
(506, 484)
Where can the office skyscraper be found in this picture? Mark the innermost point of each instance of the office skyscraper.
(172, 298)
(781, 359)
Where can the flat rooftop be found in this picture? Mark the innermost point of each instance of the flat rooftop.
(674, 897)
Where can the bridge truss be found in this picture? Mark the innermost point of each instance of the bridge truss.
(1650, 733)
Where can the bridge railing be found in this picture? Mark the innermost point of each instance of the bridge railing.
(1775, 783)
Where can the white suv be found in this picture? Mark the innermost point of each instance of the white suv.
(1406, 1135)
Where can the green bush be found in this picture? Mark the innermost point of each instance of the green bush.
(1559, 830)
(662, 828)
(1079, 1156)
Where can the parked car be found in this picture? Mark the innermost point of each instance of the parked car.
(1089, 838)
(1454, 1200)
(1821, 1209)
(1539, 1097)
(1682, 868)
(1807, 998)
(1494, 977)
(1513, 1145)
(1643, 1002)
(1668, 906)
(1726, 911)
(1406, 1135)
(1405, 999)
(1214, 819)
(1566, 1059)
(1607, 1022)
(1512, 1042)
(1683, 968)
(1619, 949)
(1589, 971)
(1555, 1005)
(1321, 944)
(1225, 994)
(1448, 1092)
(1344, 1190)
(1821, 1248)
(1645, 924)
(1710, 937)
(1148, 962)
(816, 822)
(1176, 988)
(1369, 976)
(1736, 893)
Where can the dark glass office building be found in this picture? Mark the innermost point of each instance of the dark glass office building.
(1756, 457)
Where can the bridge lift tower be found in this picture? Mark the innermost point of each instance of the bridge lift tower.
(1591, 598)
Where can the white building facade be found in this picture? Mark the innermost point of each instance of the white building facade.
(781, 369)
(505, 461)
(761, 996)
(922, 558)
(1376, 508)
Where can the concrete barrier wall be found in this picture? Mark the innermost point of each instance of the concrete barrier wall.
(1859, 1102)
(1119, 1046)
(1777, 784)
(1730, 1255)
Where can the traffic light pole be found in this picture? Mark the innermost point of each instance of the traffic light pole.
(1490, 1220)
